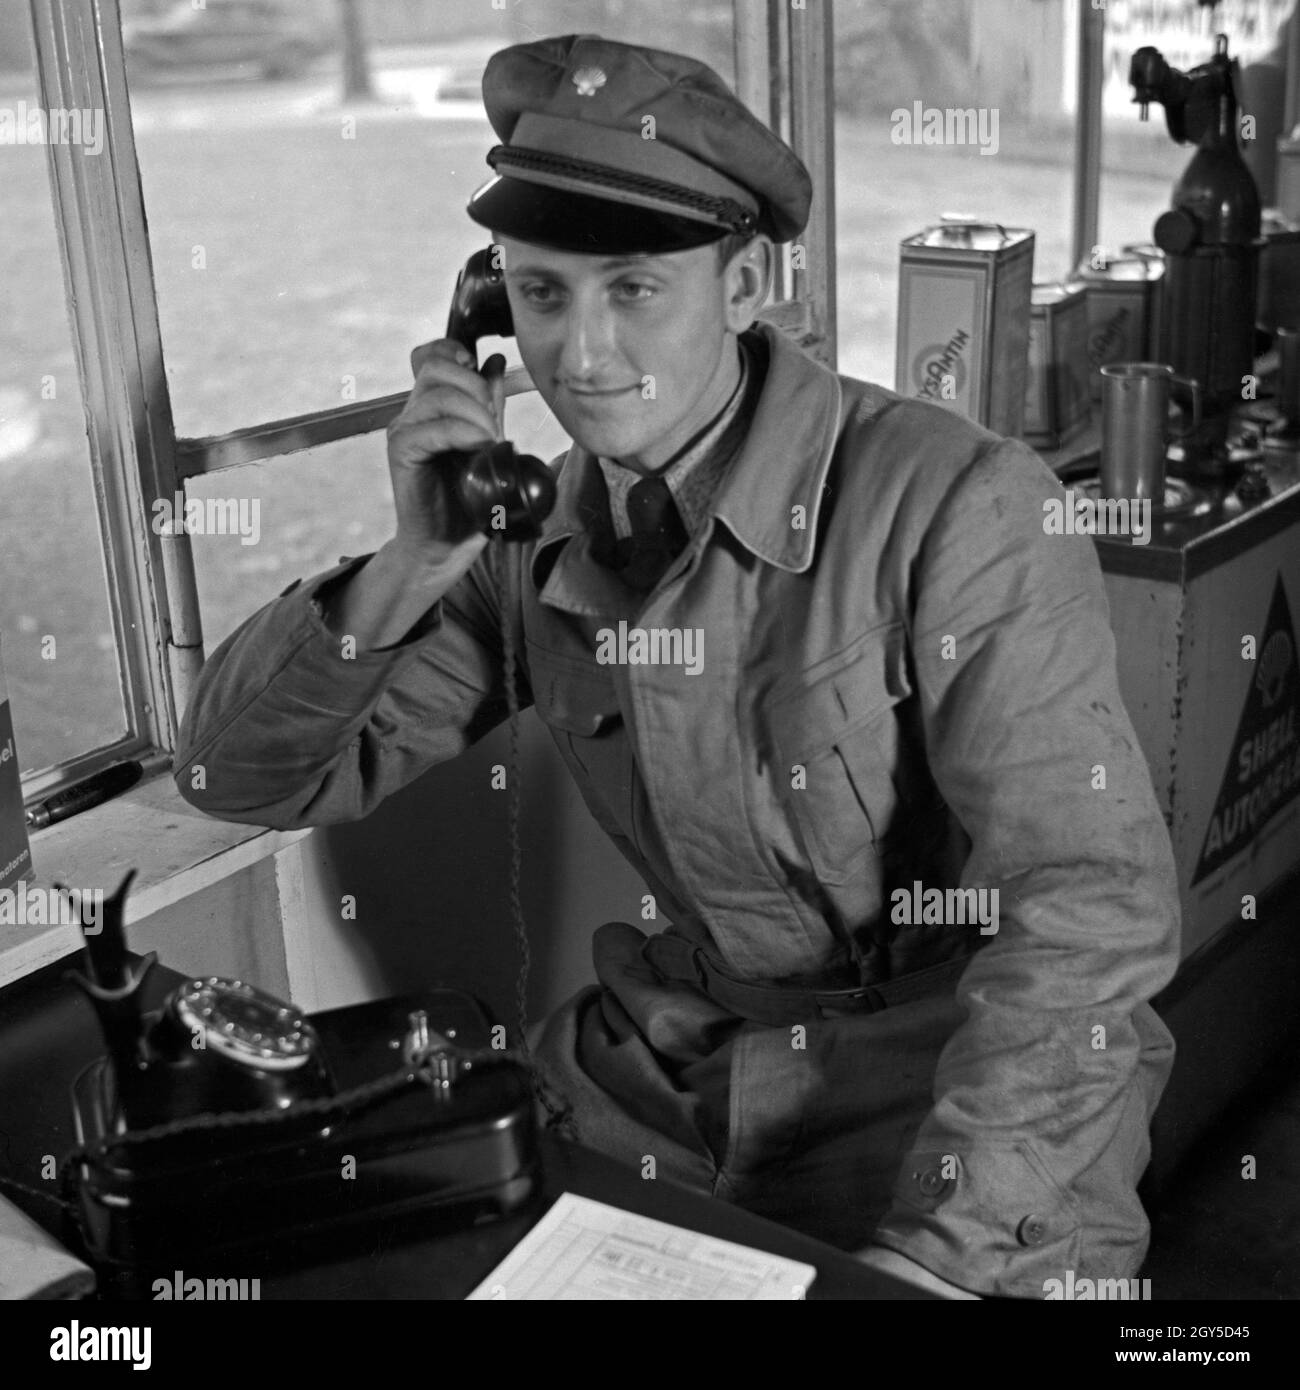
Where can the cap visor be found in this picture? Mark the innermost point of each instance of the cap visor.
(566, 221)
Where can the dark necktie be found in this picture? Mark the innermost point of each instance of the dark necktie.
(658, 535)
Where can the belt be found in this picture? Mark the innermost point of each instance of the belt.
(675, 958)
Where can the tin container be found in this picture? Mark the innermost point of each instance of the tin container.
(964, 292)
(1124, 302)
(1057, 406)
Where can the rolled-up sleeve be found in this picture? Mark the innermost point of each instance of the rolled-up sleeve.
(292, 724)
(1027, 1163)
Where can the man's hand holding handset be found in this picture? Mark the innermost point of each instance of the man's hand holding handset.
(452, 409)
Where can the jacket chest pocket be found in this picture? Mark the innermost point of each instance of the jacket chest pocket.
(579, 705)
(572, 695)
(835, 745)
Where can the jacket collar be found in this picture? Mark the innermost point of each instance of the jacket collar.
(781, 464)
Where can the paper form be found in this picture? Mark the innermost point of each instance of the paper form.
(586, 1250)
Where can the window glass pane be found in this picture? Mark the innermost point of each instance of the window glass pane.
(1141, 162)
(960, 106)
(56, 631)
(303, 243)
(263, 525)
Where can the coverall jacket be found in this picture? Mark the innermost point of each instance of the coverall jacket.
(904, 681)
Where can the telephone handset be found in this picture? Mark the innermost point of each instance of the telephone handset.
(505, 493)
(218, 1128)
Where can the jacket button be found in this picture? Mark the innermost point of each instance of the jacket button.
(931, 1182)
(1031, 1231)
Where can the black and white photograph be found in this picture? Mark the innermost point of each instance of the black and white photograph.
(648, 652)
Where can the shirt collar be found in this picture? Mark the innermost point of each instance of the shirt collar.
(781, 465)
(693, 476)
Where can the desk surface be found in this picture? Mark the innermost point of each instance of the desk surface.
(448, 1266)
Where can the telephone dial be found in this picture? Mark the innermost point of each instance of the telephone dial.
(229, 1128)
(505, 493)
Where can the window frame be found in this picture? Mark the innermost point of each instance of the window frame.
(108, 285)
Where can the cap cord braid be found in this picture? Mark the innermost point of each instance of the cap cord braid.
(725, 211)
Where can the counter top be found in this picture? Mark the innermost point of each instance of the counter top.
(1190, 540)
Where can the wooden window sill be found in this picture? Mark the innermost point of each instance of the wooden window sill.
(175, 850)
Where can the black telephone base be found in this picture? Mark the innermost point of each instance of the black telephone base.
(229, 1204)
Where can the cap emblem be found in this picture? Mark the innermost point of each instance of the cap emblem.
(589, 81)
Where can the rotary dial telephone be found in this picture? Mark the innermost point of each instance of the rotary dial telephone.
(229, 1126)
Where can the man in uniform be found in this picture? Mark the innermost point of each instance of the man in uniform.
(904, 687)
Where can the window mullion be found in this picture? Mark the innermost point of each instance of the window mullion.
(784, 75)
(812, 134)
(108, 272)
(1088, 130)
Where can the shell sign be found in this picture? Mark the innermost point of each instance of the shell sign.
(1263, 772)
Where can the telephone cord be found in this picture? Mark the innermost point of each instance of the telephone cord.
(320, 1109)
(559, 1112)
